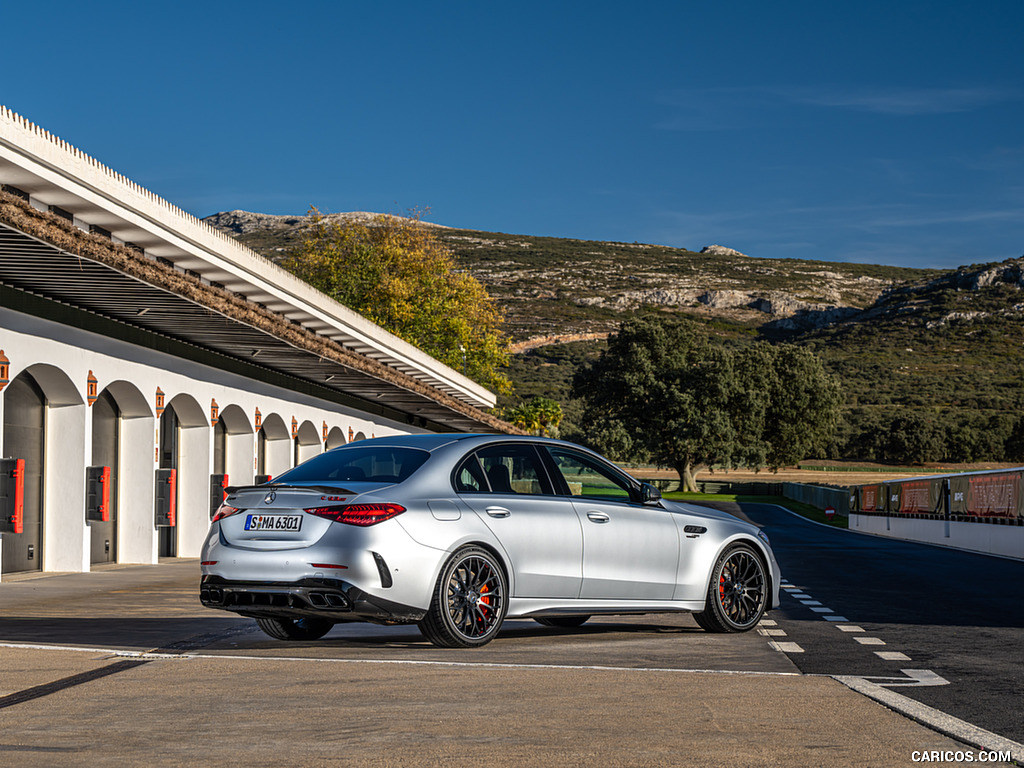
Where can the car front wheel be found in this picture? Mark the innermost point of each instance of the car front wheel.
(738, 592)
(469, 602)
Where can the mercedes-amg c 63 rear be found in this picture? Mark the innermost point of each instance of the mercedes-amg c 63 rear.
(456, 532)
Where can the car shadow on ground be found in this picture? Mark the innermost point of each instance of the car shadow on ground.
(135, 634)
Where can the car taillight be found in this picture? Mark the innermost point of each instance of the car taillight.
(358, 514)
(224, 511)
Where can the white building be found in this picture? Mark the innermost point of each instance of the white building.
(137, 338)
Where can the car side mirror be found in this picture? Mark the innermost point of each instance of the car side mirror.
(649, 494)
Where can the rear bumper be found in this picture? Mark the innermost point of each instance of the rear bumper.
(330, 599)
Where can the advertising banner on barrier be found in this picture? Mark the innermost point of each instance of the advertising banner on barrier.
(985, 494)
(914, 498)
(893, 494)
(995, 496)
(869, 499)
(958, 485)
(937, 495)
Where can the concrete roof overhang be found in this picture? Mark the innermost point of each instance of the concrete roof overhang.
(148, 265)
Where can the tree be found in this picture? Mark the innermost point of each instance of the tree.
(1015, 442)
(396, 272)
(663, 392)
(540, 416)
(913, 437)
(802, 403)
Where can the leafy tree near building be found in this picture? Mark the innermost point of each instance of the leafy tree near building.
(540, 416)
(663, 392)
(395, 272)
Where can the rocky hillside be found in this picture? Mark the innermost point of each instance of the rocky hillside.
(552, 287)
(932, 362)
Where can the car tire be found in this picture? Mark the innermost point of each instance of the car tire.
(295, 629)
(470, 601)
(565, 622)
(737, 593)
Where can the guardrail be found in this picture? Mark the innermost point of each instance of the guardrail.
(820, 496)
(976, 511)
(712, 486)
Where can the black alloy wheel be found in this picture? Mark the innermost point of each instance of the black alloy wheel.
(738, 593)
(470, 601)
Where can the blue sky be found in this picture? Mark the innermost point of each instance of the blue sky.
(883, 132)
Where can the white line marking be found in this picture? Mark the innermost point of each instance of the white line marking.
(870, 640)
(767, 623)
(849, 628)
(785, 647)
(400, 662)
(892, 655)
(810, 602)
(771, 632)
(835, 618)
(822, 610)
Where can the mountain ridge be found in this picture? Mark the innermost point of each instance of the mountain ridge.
(931, 361)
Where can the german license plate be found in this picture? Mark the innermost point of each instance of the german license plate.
(273, 522)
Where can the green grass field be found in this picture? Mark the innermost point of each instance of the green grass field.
(804, 510)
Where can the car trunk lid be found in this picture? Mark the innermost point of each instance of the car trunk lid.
(274, 517)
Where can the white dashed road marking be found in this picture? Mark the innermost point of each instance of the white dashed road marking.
(892, 656)
(786, 647)
(870, 640)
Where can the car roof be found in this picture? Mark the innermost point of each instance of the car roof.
(425, 442)
(433, 441)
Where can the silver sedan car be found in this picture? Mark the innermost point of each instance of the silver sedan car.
(457, 532)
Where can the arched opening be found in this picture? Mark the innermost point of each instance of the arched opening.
(307, 442)
(106, 452)
(185, 448)
(25, 438)
(335, 438)
(134, 472)
(359, 436)
(168, 453)
(44, 423)
(273, 444)
(236, 446)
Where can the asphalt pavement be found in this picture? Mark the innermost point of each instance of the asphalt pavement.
(123, 666)
(957, 614)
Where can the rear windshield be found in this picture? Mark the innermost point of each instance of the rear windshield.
(374, 464)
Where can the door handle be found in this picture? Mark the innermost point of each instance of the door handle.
(598, 517)
(497, 512)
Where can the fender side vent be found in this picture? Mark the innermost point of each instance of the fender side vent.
(382, 568)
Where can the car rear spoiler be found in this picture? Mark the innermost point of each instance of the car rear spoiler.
(232, 489)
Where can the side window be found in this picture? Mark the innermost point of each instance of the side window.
(469, 477)
(514, 468)
(588, 478)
